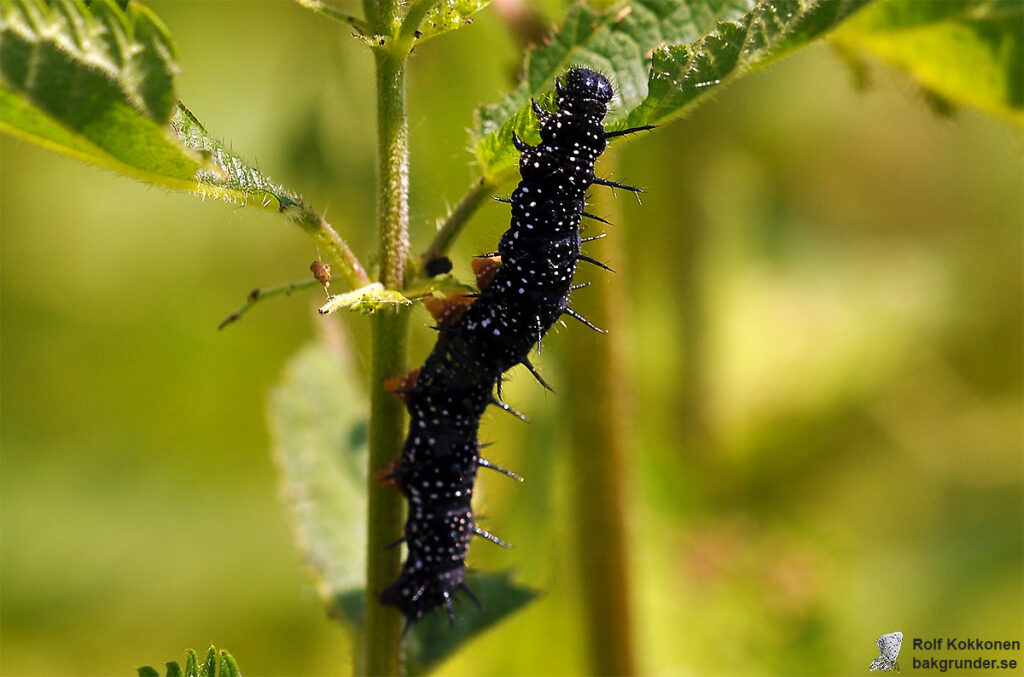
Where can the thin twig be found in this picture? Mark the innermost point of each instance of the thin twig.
(259, 294)
(456, 220)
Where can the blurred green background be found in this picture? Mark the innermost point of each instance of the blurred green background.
(826, 340)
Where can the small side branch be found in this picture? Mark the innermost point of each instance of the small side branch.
(259, 294)
(456, 220)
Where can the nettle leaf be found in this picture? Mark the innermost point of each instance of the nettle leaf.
(229, 177)
(217, 664)
(681, 74)
(617, 42)
(226, 666)
(969, 52)
(94, 83)
(191, 663)
(318, 419)
(97, 83)
(447, 15)
(662, 55)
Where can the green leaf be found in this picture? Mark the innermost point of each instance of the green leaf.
(681, 74)
(447, 15)
(228, 667)
(230, 178)
(433, 639)
(663, 56)
(210, 666)
(94, 83)
(969, 52)
(617, 42)
(318, 419)
(191, 663)
(97, 83)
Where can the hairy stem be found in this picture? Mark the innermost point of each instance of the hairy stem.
(382, 644)
(392, 168)
(384, 509)
(598, 397)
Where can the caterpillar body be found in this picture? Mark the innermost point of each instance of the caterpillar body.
(528, 292)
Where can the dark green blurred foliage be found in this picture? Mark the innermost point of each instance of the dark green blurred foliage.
(826, 358)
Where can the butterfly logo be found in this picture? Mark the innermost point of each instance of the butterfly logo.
(889, 645)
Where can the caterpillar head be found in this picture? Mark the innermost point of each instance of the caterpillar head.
(588, 84)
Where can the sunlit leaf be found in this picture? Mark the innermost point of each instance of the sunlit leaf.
(448, 15)
(97, 83)
(662, 56)
(94, 83)
(229, 178)
(969, 52)
(682, 74)
(617, 42)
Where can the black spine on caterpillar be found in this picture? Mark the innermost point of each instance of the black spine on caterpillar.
(527, 294)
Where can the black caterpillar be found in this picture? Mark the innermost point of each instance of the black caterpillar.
(495, 331)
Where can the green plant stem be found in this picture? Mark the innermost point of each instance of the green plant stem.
(384, 509)
(392, 168)
(382, 643)
(458, 217)
(598, 397)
